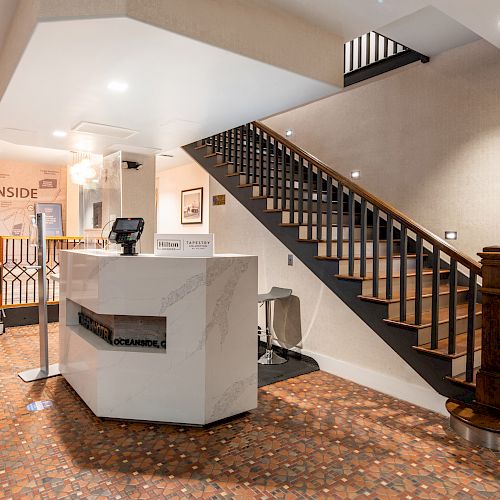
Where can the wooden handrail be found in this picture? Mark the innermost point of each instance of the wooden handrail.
(410, 224)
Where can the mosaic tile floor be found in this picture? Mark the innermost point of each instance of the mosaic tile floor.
(315, 436)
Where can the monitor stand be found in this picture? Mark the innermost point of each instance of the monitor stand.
(128, 249)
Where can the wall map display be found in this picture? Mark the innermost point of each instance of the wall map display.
(22, 185)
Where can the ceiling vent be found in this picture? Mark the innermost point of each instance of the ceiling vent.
(105, 130)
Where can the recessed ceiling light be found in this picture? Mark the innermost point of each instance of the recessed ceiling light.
(355, 174)
(380, 1)
(289, 132)
(117, 86)
(450, 235)
(59, 133)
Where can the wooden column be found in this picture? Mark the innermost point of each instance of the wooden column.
(488, 377)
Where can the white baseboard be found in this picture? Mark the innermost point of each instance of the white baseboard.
(426, 397)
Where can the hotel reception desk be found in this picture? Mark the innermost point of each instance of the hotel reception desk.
(155, 338)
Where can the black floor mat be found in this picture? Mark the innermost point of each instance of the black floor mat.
(296, 365)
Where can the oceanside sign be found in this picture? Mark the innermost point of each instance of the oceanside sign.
(184, 245)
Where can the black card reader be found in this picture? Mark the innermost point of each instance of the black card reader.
(127, 232)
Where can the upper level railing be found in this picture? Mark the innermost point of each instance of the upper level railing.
(19, 286)
(368, 49)
(372, 54)
(317, 196)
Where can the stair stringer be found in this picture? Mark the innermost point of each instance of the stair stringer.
(432, 369)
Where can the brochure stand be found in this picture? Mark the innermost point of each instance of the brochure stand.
(45, 370)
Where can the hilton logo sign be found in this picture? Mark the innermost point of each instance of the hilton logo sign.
(184, 245)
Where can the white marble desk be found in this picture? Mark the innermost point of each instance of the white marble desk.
(208, 370)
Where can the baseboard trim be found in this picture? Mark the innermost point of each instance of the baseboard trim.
(417, 395)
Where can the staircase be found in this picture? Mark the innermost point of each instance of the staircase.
(418, 293)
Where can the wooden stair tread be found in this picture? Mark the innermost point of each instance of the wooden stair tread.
(443, 317)
(369, 276)
(460, 379)
(460, 346)
(426, 292)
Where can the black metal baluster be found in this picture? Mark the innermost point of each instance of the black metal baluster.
(389, 255)
(254, 155)
(375, 253)
(300, 204)
(242, 146)
(351, 55)
(275, 174)
(377, 42)
(418, 280)
(368, 42)
(471, 328)
(268, 166)
(452, 308)
(402, 274)
(319, 227)
(362, 264)
(309, 203)
(351, 232)
(247, 167)
(435, 298)
(319, 202)
(386, 46)
(224, 146)
(283, 179)
(261, 163)
(340, 219)
(329, 209)
(359, 51)
(292, 185)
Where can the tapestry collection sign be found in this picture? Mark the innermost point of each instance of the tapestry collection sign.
(184, 245)
(22, 186)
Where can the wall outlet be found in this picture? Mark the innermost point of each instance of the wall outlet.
(290, 259)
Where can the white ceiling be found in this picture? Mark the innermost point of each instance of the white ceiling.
(179, 90)
(352, 18)
(429, 31)
(347, 18)
(30, 154)
(176, 158)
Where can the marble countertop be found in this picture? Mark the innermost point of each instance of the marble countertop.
(108, 254)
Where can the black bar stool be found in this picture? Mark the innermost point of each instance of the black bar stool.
(276, 293)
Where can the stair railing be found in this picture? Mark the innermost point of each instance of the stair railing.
(336, 209)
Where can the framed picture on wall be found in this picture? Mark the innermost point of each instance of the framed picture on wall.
(192, 206)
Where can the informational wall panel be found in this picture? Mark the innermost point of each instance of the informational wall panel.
(22, 186)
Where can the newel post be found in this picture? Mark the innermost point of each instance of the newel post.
(488, 377)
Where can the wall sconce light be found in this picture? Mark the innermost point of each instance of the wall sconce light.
(289, 132)
(450, 235)
(355, 174)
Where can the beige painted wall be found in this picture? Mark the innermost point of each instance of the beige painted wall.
(138, 196)
(170, 184)
(328, 326)
(426, 139)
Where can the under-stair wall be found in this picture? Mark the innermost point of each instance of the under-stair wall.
(331, 332)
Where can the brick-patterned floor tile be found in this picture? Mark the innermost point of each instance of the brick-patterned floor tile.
(315, 436)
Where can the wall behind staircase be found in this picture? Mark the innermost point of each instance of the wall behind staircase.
(426, 139)
(341, 342)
